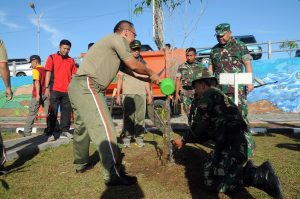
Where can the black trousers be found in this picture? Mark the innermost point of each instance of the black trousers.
(59, 99)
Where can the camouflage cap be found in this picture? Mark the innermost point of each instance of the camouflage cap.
(222, 28)
(205, 74)
(135, 44)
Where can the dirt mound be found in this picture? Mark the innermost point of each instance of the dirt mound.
(263, 106)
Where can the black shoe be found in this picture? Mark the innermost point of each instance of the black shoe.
(264, 178)
(85, 168)
(24, 133)
(124, 180)
(3, 171)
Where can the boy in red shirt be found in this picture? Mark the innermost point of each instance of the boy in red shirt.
(38, 94)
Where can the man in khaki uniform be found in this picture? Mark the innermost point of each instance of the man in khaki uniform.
(134, 101)
(4, 72)
(92, 119)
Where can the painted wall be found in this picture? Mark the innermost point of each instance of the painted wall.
(284, 95)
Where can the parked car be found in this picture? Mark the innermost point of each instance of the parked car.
(23, 67)
(254, 49)
(297, 54)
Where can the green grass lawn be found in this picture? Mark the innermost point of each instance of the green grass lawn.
(50, 174)
(10, 135)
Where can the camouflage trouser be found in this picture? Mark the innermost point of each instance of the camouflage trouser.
(187, 97)
(243, 107)
(223, 171)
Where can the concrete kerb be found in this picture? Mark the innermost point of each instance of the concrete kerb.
(27, 146)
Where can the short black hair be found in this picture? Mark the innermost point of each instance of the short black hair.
(90, 45)
(120, 24)
(190, 49)
(65, 42)
(169, 45)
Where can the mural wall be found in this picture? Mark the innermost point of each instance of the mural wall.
(281, 92)
(284, 89)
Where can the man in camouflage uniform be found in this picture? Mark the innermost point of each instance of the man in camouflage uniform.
(229, 56)
(185, 74)
(214, 116)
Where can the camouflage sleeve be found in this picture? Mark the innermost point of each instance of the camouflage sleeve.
(178, 73)
(245, 53)
(199, 120)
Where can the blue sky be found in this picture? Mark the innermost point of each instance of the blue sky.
(87, 21)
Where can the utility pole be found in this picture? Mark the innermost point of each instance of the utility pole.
(31, 5)
(130, 10)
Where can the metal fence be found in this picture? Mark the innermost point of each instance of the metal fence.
(268, 48)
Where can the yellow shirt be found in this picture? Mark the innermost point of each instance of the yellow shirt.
(35, 73)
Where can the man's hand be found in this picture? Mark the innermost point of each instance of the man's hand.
(178, 143)
(47, 92)
(118, 100)
(154, 78)
(250, 87)
(149, 99)
(9, 94)
(37, 97)
(177, 99)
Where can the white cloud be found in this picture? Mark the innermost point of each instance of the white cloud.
(56, 35)
(4, 21)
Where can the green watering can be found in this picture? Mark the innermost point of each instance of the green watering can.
(167, 86)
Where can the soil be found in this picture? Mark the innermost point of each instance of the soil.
(262, 107)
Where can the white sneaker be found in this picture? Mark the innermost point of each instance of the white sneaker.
(66, 135)
(51, 138)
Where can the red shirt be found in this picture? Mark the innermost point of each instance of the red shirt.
(63, 68)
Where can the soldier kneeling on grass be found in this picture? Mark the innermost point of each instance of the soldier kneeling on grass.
(215, 117)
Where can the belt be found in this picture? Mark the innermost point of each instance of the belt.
(188, 87)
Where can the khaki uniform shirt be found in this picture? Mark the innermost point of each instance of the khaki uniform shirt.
(132, 85)
(103, 60)
(3, 53)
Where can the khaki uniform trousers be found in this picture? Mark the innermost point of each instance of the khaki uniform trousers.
(92, 121)
(134, 108)
(33, 110)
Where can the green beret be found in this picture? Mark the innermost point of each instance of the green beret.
(222, 28)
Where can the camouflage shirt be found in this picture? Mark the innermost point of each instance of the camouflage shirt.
(229, 58)
(212, 116)
(187, 72)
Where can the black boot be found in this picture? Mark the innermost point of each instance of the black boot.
(264, 178)
(124, 180)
